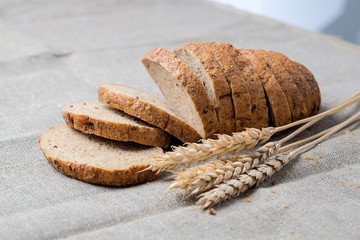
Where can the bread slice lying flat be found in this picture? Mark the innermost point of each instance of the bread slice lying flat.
(98, 119)
(148, 108)
(183, 90)
(97, 160)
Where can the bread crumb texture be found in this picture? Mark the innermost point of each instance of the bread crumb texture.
(104, 162)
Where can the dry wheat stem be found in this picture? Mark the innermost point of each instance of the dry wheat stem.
(259, 173)
(207, 148)
(300, 142)
(204, 177)
(348, 102)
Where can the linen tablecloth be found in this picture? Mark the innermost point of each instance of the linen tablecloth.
(57, 52)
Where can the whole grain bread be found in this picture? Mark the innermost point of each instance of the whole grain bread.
(148, 108)
(198, 58)
(97, 160)
(183, 90)
(238, 85)
(98, 119)
(287, 84)
(280, 113)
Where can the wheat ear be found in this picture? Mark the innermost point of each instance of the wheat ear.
(259, 173)
(204, 177)
(207, 148)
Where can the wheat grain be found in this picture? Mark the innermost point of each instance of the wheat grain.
(207, 148)
(201, 178)
(234, 187)
(259, 173)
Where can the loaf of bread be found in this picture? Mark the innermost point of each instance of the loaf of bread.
(210, 88)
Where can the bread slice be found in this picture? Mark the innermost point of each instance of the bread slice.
(149, 109)
(280, 113)
(198, 58)
(183, 90)
(98, 119)
(97, 160)
(259, 109)
(300, 81)
(238, 85)
(287, 84)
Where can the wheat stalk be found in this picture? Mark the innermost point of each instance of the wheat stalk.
(204, 177)
(259, 173)
(207, 148)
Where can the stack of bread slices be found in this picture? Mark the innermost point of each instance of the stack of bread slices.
(210, 88)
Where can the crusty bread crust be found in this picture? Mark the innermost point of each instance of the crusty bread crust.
(87, 173)
(313, 84)
(147, 112)
(222, 100)
(300, 81)
(280, 113)
(287, 84)
(259, 108)
(89, 124)
(194, 88)
(238, 85)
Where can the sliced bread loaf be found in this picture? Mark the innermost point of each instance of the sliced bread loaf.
(98, 119)
(97, 160)
(150, 109)
(286, 82)
(183, 90)
(198, 58)
(280, 113)
(238, 85)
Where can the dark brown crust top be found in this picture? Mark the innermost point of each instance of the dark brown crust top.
(259, 108)
(148, 113)
(238, 85)
(277, 101)
(224, 105)
(192, 84)
(301, 83)
(287, 84)
(95, 175)
(116, 131)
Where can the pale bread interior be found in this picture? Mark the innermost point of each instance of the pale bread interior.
(195, 66)
(176, 95)
(66, 144)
